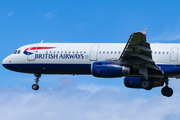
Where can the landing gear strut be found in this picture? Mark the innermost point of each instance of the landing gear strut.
(36, 86)
(167, 91)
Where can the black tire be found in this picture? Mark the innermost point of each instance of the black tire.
(35, 87)
(146, 84)
(170, 92)
(167, 91)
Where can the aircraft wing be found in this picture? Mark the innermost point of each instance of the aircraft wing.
(137, 53)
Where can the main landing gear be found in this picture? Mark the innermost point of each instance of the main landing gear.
(36, 86)
(147, 84)
(167, 91)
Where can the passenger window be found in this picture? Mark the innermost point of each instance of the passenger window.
(61, 51)
(73, 52)
(107, 52)
(54, 51)
(84, 52)
(119, 52)
(159, 52)
(50, 51)
(57, 51)
(115, 52)
(80, 51)
(103, 52)
(111, 52)
(167, 52)
(99, 52)
(69, 51)
(76, 51)
(46, 51)
(65, 51)
(163, 53)
(154, 52)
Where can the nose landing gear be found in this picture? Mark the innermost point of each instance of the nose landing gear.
(36, 86)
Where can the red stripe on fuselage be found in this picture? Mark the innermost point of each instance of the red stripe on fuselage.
(39, 48)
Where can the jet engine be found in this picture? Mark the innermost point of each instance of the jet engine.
(108, 69)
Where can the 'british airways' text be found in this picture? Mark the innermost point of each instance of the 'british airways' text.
(59, 56)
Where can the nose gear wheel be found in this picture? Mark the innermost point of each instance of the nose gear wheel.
(36, 86)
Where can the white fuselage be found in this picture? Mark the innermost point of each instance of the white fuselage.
(83, 54)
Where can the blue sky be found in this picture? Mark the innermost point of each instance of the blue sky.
(24, 22)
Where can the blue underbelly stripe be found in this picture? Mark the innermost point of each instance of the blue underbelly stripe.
(51, 68)
(75, 68)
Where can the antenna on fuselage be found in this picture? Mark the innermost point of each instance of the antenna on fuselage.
(42, 41)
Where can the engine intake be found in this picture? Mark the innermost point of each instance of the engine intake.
(108, 69)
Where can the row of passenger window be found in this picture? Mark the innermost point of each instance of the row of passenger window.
(110, 52)
(115, 52)
(73, 52)
(160, 52)
(100, 52)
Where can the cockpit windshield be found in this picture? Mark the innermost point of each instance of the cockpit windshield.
(17, 52)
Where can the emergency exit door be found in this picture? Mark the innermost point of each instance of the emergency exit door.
(174, 54)
(94, 52)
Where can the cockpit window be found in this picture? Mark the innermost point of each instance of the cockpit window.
(17, 52)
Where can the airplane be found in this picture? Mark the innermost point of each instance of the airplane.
(143, 65)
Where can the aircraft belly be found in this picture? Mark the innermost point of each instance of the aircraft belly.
(78, 69)
(51, 68)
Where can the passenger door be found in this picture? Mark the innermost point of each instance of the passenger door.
(31, 53)
(174, 54)
(94, 52)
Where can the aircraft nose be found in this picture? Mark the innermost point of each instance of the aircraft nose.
(5, 62)
(8, 64)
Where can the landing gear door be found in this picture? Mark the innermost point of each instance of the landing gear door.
(31, 53)
(94, 53)
(174, 54)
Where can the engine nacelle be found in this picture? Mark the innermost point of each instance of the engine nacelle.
(135, 82)
(108, 69)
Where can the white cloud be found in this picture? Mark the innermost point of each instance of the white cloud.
(9, 14)
(171, 116)
(79, 102)
(50, 15)
(168, 35)
(94, 88)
